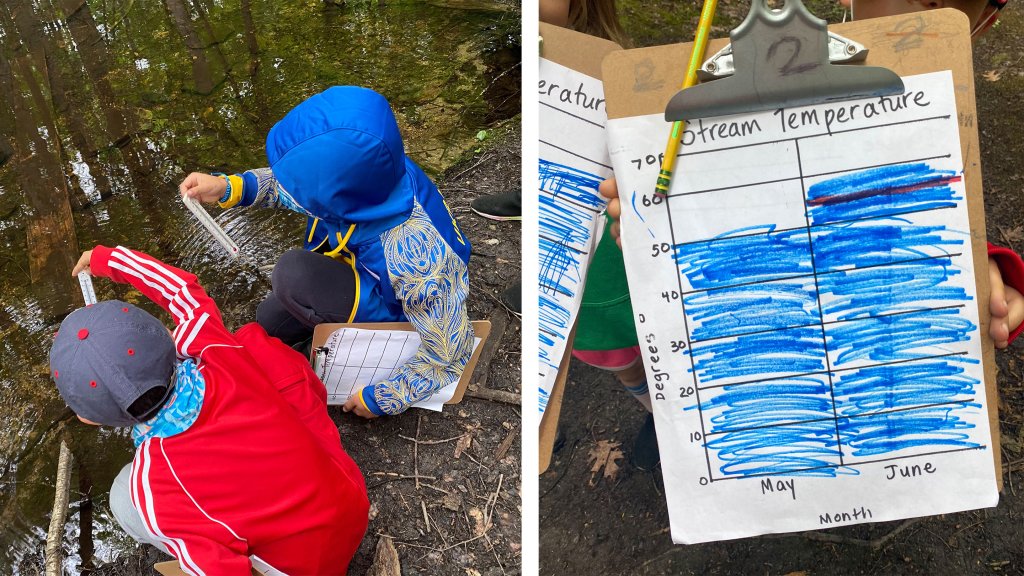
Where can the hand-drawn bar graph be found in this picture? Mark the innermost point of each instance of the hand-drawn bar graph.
(573, 162)
(814, 315)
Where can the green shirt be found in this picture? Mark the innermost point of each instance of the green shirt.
(605, 320)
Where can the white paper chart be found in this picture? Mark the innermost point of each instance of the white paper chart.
(353, 358)
(573, 160)
(808, 314)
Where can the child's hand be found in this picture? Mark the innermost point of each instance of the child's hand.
(609, 189)
(83, 263)
(203, 187)
(354, 405)
(1006, 306)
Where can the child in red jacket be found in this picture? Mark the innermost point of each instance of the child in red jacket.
(236, 456)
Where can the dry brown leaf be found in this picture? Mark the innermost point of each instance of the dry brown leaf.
(992, 75)
(799, 573)
(479, 524)
(604, 455)
(1011, 236)
(462, 445)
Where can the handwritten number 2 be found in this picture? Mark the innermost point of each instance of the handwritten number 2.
(791, 66)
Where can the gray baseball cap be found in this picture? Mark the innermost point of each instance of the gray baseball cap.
(106, 356)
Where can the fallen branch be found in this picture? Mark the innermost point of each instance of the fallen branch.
(55, 535)
(494, 395)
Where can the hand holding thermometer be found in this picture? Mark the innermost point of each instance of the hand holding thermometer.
(215, 230)
(88, 294)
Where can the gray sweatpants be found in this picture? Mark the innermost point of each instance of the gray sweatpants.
(308, 289)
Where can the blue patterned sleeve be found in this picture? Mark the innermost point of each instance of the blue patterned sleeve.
(432, 282)
(260, 189)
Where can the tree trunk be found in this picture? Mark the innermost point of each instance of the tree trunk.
(250, 37)
(86, 549)
(200, 67)
(121, 126)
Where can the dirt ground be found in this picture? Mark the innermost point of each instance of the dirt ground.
(621, 526)
(446, 488)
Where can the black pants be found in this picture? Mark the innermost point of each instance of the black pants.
(307, 289)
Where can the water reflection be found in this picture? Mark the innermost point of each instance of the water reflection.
(108, 103)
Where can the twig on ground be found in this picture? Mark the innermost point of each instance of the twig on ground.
(564, 472)
(455, 178)
(452, 439)
(432, 487)
(874, 544)
(396, 478)
(953, 535)
(495, 552)
(492, 502)
(467, 541)
(503, 448)
(437, 527)
(475, 461)
(426, 519)
(939, 538)
(494, 395)
(668, 552)
(415, 453)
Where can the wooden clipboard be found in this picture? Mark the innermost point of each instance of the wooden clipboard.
(584, 54)
(642, 81)
(481, 330)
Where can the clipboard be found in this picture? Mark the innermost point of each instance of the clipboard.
(643, 81)
(582, 53)
(481, 330)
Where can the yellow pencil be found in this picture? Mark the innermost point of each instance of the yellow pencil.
(700, 44)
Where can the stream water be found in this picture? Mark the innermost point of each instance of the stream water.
(109, 103)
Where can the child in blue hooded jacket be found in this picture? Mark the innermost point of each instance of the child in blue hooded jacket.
(380, 245)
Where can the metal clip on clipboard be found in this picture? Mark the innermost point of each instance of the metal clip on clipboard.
(841, 50)
(781, 59)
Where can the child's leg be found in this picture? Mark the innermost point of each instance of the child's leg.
(627, 366)
(125, 512)
(308, 289)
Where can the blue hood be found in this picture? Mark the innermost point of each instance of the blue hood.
(339, 155)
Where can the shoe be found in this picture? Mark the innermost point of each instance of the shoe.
(512, 299)
(502, 207)
(645, 455)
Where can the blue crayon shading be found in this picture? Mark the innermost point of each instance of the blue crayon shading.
(874, 243)
(790, 351)
(881, 191)
(751, 308)
(568, 204)
(896, 288)
(901, 386)
(742, 406)
(879, 298)
(753, 257)
(936, 427)
(896, 337)
(808, 449)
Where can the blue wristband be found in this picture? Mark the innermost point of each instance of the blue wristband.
(227, 190)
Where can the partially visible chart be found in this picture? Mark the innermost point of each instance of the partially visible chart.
(809, 314)
(573, 162)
